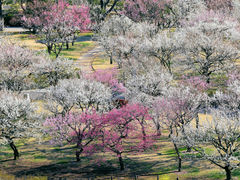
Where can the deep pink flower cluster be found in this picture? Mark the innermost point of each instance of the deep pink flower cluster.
(107, 77)
(196, 83)
(119, 131)
(71, 17)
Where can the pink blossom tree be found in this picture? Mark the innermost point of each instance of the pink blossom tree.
(126, 131)
(119, 131)
(59, 24)
(163, 13)
(154, 11)
(196, 83)
(176, 110)
(108, 77)
(33, 14)
(80, 129)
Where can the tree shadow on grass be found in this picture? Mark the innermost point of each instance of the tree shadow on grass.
(51, 170)
(93, 170)
(84, 38)
(138, 167)
(61, 163)
(72, 169)
(6, 160)
(79, 39)
(7, 157)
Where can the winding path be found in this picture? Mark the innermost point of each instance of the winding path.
(86, 60)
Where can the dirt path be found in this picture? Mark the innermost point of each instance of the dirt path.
(86, 60)
(14, 29)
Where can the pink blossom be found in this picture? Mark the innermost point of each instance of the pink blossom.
(108, 77)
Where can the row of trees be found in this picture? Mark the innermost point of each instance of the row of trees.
(82, 112)
(100, 9)
(157, 43)
(154, 59)
(57, 24)
(205, 42)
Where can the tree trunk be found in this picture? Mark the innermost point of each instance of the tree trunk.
(111, 60)
(228, 173)
(143, 132)
(58, 51)
(144, 135)
(121, 162)
(78, 153)
(110, 9)
(15, 150)
(1, 17)
(49, 48)
(159, 133)
(208, 78)
(168, 64)
(179, 157)
(171, 131)
(189, 149)
(13, 147)
(67, 45)
(197, 121)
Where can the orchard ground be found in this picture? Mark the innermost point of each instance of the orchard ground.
(82, 53)
(41, 160)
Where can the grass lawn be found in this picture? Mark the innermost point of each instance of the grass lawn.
(43, 160)
(100, 61)
(29, 40)
(74, 52)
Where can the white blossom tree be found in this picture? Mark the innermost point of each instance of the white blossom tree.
(109, 30)
(125, 40)
(164, 46)
(183, 8)
(208, 48)
(145, 87)
(23, 69)
(175, 110)
(15, 63)
(51, 71)
(16, 120)
(80, 94)
(229, 99)
(220, 132)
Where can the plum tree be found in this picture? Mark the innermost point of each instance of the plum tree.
(16, 120)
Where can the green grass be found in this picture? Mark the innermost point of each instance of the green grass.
(172, 152)
(46, 160)
(29, 40)
(74, 52)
